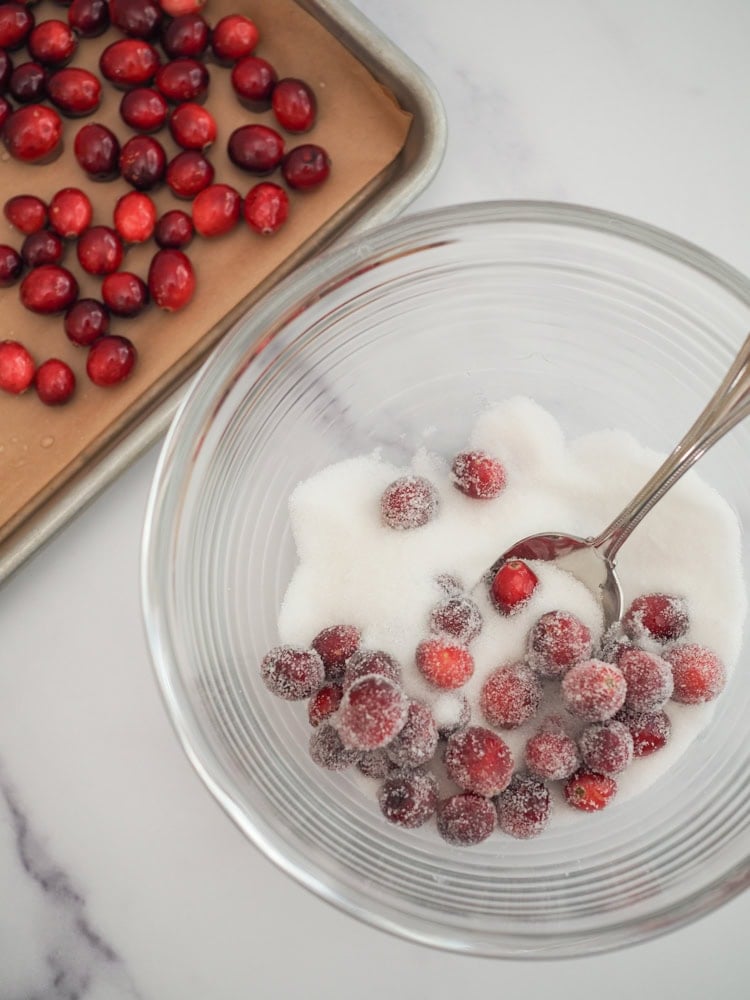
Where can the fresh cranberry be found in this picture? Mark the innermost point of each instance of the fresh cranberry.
(233, 37)
(144, 109)
(143, 162)
(327, 750)
(255, 148)
(185, 37)
(510, 696)
(11, 265)
(335, 645)
(266, 208)
(129, 62)
(476, 473)
(89, 18)
(292, 673)
(174, 230)
(124, 293)
(54, 382)
(216, 210)
(512, 586)
(478, 761)
(699, 675)
(136, 18)
(375, 763)
(110, 360)
(74, 91)
(294, 106)
(182, 80)
(444, 663)
(370, 661)
(409, 502)
(86, 321)
(176, 8)
(656, 616)
(134, 217)
(253, 80)
(649, 679)
(551, 753)
(49, 289)
(40, 248)
(305, 167)
(466, 819)
(606, 747)
(557, 642)
(70, 213)
(408, 799)
(6, 68)
(593, 690)
(416, 742)
(523, 808)
(192, 127)
(171, 280)
(16, 367)
(188, 174)
(97, 150)
(372, 711)
(33, 133)
(26, 212)
(52, 43)
(28, 83)
(589, 791)
(451, 711)
(324, 703)
(16, 22)
(650, 730)
(457, 616)
(6, 109)
(99, 250)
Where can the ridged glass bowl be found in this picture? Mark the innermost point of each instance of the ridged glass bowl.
(607, 323)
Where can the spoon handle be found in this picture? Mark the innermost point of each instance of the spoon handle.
(729, 404)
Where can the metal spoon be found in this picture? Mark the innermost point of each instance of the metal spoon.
(592, 560)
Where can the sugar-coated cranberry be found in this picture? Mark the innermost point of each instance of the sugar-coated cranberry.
(99, 250)
(6, 68)
(11, 265)
(372, 711)
(375, 763)
(171, 280)
(136, 18)
(97, 150)
(49, 289)
(408, 799)
(510, 696)
(451, 711)
(324, 703)
(656, 616)
(512, 586)
(306, 167)
(551, 753)
(294, 105)
(292, 673)
(85, 321)
(28, 83)
(589, 791)
(445, 663)
(124, 293)
(450, 585)
(698, 673)
(416, 741)
(593, 690)
(16, 367)
(523, 808)
(477, 474)
(52, 43)
(55, 382)
(89, 18)
(370, 661)
(649, 679)
(606, 747)
(466, 819)
(478, 761)
(186, 37)
(233, 37)
(335, 645)
(110, 360)
(557, 642)
(188, 174)
(26, 212)
(409, 502)
(134, 217)
(16, 22)
(129, 62)
(33, 133)
(143, 162)
(255, 148)
(253, 81)
(144, 109)
(327, 750)
(216, 210)
(266, 208)
(192, 126)
(70, 212)
(40, 248)
(74, 91)
(458, 616)
(174, 230)
(650, 730)
(182, 80)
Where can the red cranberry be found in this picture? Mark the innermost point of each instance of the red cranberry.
(510, 696)
(97, 150)
(327, 750)
(6, 109)
(192, 127)
(33, 133)
(186, 37)
(291, 673)
(593, 690)
(305, 167)
(650, 730)
(143, 162)
(523, 808)
(124, 294)
(551, 754)
(11, 265)
(443, 663)
(293, 103)
(16, 22)
(171, 281)
(370, 661)
(130, 62)
(557, 642)
(656, 616)
(110, 360)
(589, 791)
(234, 36)
(408, 799)
(477, 474)
(266, 208)
(49, 289)
(409, 502)
(336, 645)
(74, 91)
(699, 675)
(374, 763)
(512, 586)
(28, 83)
(372, 711)
(649, 680)
(174, 230)
(188, 174)
(416, 742)
(253, 81)
(26, 212)
(16, 367)
(89, 18)
(466, 819)
(6, 68)
(136, 18)
(54, 382)
(86, 321)
(52, 43)
(70, 213)
(324, 703)
(182, 80)
(144, 109)
(176, 8)
(606, 748)
(135, 217)
(99, 250)
(40, 248)
(458, 616)
(478, 761)
(216, 210)
(255, 148)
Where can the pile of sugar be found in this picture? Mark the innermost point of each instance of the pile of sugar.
(354, 570)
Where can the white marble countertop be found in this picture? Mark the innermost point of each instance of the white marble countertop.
(120, 877)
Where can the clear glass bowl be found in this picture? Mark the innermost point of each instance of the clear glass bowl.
(604, 321)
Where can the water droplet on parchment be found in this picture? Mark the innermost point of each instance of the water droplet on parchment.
(47, 441)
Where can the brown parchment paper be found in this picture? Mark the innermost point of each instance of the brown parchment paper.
(360, 125)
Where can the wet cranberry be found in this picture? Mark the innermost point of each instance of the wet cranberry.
(306, 167)
(110, 360)
(255, 148)
(216, 210)
(512, 586)
(233, 37)
(294, 105)
(176, 8)
(188, 174)
(124, 294)
(74, 91)
(182, 80)
(11, 265)
(89, 18)
(144, 109)
(266, 208)
(55, 382)
(171, 282)
(174, 230)
(26, 212)
(335, 645)
(136, 18)
(192, 127)
(49, 289)
(130, 62)
(28, 82)
(185, 37)
(33, 133)
(143, 162)
(477, 474)
(5, 111)
(99, 250)
(16, 367)
(134, 217)
(16, 22)
(287, 671)
(663, 617)
(6, 68)
(324, 703)
(86, 321)
(70, 212)
(40, 248)
(253, 80)
(52, 43)
(97, 150)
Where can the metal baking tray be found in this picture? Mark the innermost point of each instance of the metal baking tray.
(413, 169)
